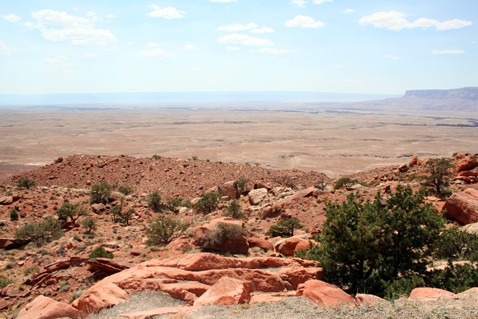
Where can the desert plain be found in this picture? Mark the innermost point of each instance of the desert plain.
(330, 140)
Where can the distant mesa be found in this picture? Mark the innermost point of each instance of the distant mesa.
(469, 93)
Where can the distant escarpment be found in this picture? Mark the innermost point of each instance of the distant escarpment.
(470, 93)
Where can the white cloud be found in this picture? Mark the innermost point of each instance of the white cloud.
(396, 21)
(60, 26)
(154, 53)
(274, 51)
(322, 1)
(12, 17)
(304, 22)
(29, 25)
(298, 3)
(110, 16)
(263, 30)
(348, 11)
(440, 52)
(152, 44)
(392, 57)
(190, 47)
(166, 12)
(222, 1)
(237, 27)
(3, 48)
(232, 49)
(243, 39)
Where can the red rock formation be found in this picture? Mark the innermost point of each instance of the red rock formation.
(430, 294)
(226, 291)
(462, 206)
(46, 308)
(324, 294)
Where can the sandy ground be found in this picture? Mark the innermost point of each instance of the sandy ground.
(327, 140)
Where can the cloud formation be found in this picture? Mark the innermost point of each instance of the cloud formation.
(169, 13)
(60, 26)
(441, 52)
(243, 39)
(301, 21)
(322, 1)
(12, 17)
(263, 30)
(397, 21)
(274, 51)
(154, 53)
(3, 48)
(298, 3)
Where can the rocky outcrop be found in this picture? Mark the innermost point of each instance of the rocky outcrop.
(188, 277)
(462, 206)
(226, 291)
(258, 196)
(289, 246)
(230, 190)
(46, 308)
(324, 294)
(430, 294)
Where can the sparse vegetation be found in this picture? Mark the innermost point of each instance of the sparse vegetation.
(14, 214)
(163, 230)
(284, 227)
(154, 201)
(100, 193)
(120, 215)
(439, 170)
(221, 237)
(234, 210)
(125, 190)
(90, 224)
(26, 183)
(71, 211)
(194, 157)
(345, 182)
(100, 252)
(242, 184)
(5, 281)
(208, 202)
(156, 157)
(42, 233)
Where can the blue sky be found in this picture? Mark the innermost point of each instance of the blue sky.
(383, 47)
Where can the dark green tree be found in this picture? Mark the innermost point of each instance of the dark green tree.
(71, 211)
(284, 227)
(366, 245)
(234, 210)
(100, 193)
(154, 201)
(161, 231)
(208, 202)
(439, 170)
(25, 182)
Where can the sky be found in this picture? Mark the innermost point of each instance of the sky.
(342, 46)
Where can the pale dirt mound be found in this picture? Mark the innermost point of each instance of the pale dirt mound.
(171, 177)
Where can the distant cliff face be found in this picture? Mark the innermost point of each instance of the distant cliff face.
(470, 93)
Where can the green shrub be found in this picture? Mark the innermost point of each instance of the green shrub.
(221, 238)
(456, 278)
(234, 210)
(42, 233)
(365, 245)
(13, 214)
(173, 204)
(125, 190)
(345, 182)
(26, 183)
(242, 184)
(154, 201)
(208, 202)
(456, 244)
(89, 223)
(71, 211)
(122, 216)
(402, 287)
(284, 227)
(100, 252)
(4, 281)
(156, 157)
(100, 193)
(161, 231)
(439, 170)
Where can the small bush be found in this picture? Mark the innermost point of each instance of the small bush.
(156, 157)
(221, 238)
(89, 223)
(242, 184)
(162, 231)
(100, 252)
(13, 215)
(439, 170)
(31, 270)
(403, 286)
(26, 183)
(42, 233)
(71, 211)
(154, 201)
(455, 244)
(284, 228)
(455, 278)
(194, 158)
(345, 182)
(173, 204)
(100, 193)
(125, 190)
(4, 281)
(234, 210)
(208, 202)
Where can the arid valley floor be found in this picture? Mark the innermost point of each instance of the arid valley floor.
(328, 140)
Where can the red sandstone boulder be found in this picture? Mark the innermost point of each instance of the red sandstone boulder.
(324, 294)
(466, 163)
(414, 161)
(226, 291)
(99, 296)
(261, 243)
(6, 200)
(430, 294)
(46, 308)
(230, 190)
(462, 206)
(288, 246)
